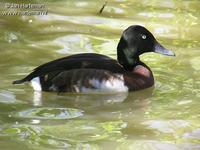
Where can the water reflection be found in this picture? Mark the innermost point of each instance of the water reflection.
(195, 134)
(73, 134)
(167, 126)
(74, 42)
(7, 97)
(37, 98)
(95, 99)
(157, 145)
(50, 113)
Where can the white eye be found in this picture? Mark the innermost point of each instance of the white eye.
(144, 36)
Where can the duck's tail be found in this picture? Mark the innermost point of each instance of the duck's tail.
(19, 81)
(26, 79)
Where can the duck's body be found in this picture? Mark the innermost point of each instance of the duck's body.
(94, 72)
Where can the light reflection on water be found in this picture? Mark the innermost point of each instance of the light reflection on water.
(163, 117)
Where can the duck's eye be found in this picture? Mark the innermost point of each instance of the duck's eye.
(144, 36)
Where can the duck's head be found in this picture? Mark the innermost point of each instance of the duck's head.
(135, 41)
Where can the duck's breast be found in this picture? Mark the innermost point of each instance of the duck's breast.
(139, 78)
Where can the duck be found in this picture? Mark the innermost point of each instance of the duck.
(92, 72)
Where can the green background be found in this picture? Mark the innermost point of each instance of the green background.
(165, 117)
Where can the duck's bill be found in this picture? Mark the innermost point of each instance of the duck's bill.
(161, 50)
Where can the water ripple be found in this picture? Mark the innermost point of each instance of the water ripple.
(50, 113)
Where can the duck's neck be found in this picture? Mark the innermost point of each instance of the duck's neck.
(133, 64)
(127, 56)
(128, 62)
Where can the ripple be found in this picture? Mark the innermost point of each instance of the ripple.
(153, 14)
(195, 63)
(74, 42)
(7, 97)
(195, 134)
(85, 131)
(32, 135)
(92, 20)
(74, 134)
(149, 145)
(11, 37)
(167, 126)
(156, 145)
(50, 113)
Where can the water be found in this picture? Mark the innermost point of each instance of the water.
(160, 118)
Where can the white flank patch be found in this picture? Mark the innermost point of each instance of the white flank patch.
(35, 83)
(110, 85)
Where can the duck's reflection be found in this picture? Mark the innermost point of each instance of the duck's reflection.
(98, 98)
(37, 98)
(90, 100)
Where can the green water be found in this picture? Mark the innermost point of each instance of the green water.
(166, 117)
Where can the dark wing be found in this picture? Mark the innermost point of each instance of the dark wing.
(85, 60)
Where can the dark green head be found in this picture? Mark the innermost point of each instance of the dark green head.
(135, 41)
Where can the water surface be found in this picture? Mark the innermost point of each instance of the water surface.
(163, 117)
